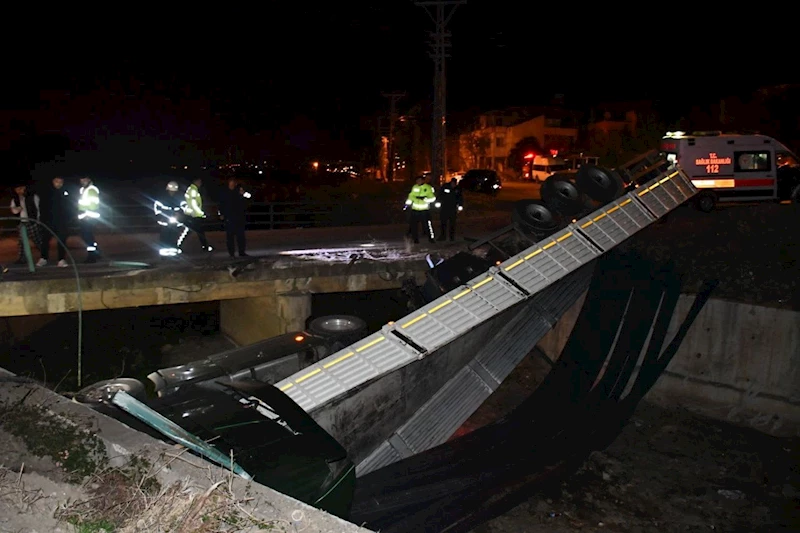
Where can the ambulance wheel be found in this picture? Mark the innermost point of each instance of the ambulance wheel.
(705, 202)
(562, 197)
(599, 184)
(534, 217)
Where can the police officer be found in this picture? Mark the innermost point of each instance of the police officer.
(451, 201)
(195, 214)
(56, 214)
(169, 215)
(419, 200)
(88, 215)
(233, 209)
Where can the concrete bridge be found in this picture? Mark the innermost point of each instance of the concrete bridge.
(260, 297)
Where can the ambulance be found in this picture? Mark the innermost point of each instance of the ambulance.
(732, 167)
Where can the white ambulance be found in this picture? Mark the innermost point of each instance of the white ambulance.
(734, 168)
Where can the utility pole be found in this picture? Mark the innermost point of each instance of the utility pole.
(393, 99)
(441, 12)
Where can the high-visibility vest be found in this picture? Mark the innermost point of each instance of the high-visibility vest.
(167, 212)
(194, 202)
(89, 202)
(421, 197)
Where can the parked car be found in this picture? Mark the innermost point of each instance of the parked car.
(481, 180)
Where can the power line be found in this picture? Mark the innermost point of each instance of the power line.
(440, 12)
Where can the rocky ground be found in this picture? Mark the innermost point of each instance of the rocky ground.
(668, 471)
(753, 250)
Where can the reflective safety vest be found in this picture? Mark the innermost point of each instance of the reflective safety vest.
(168, 213)
(194, 202)
(89, 202)
(421, 197)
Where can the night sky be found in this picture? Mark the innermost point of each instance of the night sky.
(328, 61)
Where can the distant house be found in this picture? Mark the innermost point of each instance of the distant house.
(607, 119)
(492, 137)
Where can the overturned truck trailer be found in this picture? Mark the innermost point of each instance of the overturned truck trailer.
(407, 388)
(392, 399)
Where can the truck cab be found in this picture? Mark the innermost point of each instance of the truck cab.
(732, 167)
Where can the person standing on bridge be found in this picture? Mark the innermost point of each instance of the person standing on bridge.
(233, 210)
(169, 215)
(451, 201)
(26, 207)
(195, 215)
(420, 199)
(56, 214)
(88, 215)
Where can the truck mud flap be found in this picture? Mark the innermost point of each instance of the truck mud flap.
(605, 368)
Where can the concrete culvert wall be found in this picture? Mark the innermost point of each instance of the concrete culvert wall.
(739, 363)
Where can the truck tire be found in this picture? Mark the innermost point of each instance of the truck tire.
(335, 326)
(534, 217)
(599, 184)
(100, 391)
(795, 196)
(562, 197)
(705, 202)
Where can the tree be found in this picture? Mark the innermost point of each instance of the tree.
(476, 145)
(618, 146)
(516, 156)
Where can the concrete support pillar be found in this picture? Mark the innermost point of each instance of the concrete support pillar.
(249, 320)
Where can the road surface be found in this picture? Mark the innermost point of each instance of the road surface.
(142, 247)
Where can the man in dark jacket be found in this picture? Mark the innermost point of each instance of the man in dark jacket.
(451, 201)
(57, 213)
(232, 209)
(26, 206)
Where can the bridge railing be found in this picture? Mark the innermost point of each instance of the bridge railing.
(138, 218)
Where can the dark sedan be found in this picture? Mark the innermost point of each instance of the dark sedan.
(481, 180)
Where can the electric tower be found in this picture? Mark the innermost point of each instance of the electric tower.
(440, 12)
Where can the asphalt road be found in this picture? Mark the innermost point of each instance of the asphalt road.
(483, 215)
(142, 247)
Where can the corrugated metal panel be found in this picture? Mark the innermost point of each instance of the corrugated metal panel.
(440, 322)
(482, 298)
(373, 356)
(555, 300)
(504, 355)
(685, 185)
(552, 260)
(660, 196)
(461, 396)
(616, 222)
(384, 455)
(445, 412)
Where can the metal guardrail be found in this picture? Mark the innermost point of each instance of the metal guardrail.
(138, 218)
